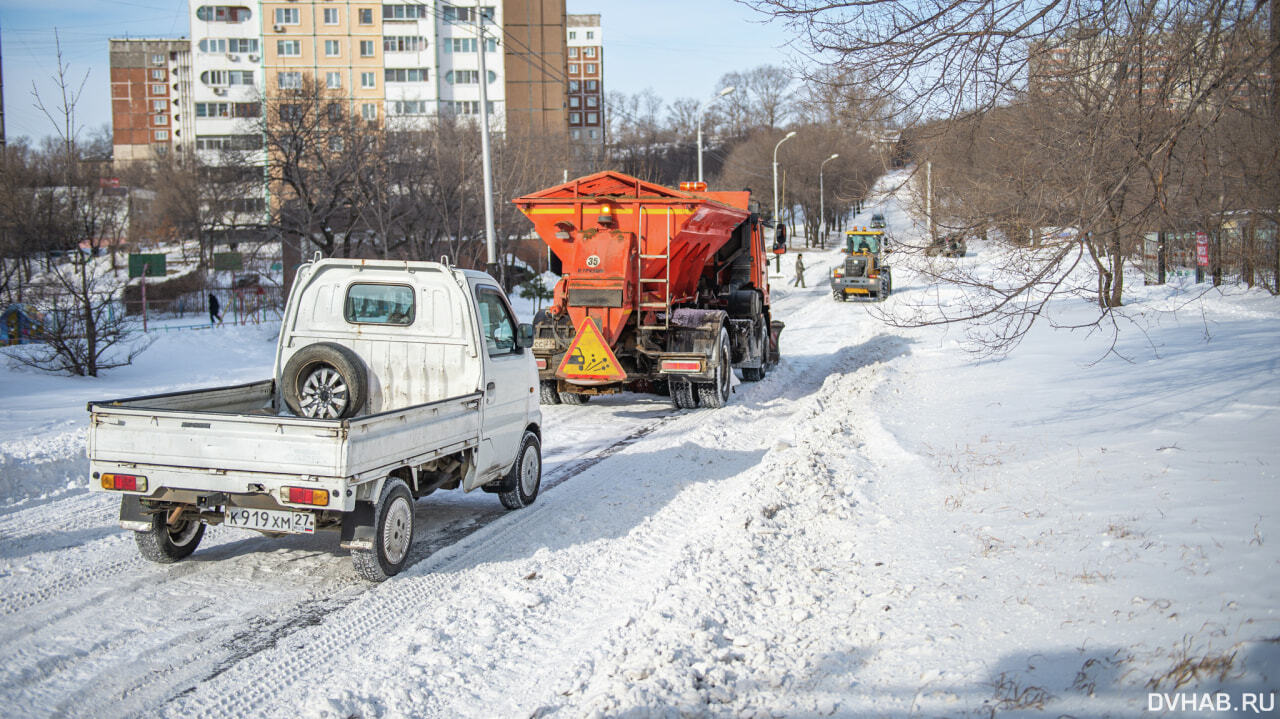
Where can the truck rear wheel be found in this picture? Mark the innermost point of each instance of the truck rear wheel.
(715, 394)
(326, 381)
(547, 393)
(392, 534)
(755, 374)
(166, 543)
(526, 474)
(573, 398)
(682, 394)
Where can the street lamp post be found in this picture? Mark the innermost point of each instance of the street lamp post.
(486, 154)
(822, 203)
(701, 109)
(775, 173)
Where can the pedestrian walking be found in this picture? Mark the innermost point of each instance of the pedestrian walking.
(799, 280)
(215, 311)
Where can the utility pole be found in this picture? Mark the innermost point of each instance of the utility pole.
(486, 153)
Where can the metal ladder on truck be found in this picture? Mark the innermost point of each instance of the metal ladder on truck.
(664, 279)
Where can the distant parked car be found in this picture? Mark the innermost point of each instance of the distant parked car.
(877, 221)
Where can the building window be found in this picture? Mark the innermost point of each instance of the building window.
(367, 80)
(589, 52)
(573, 34)
(336, 144)
(573, 52)
(369, 111)
(593, 86)
(575, 102)
(209, 77)
(576, 134)
(404, 12)
(332, 48)
(575, 118)
(573, 68)
(229, 142)
(287, 16)
(247, 109)
(240, 77)
(592, 100)
(593, 118)
(593, 134)
(157, 59)
(365, 15)
(160, 135)
(409, 107)
(333, 80)
(291, 112)
(591, 35)
(466, 14)
(289, 48)
(289, 80)
(159, 90)
(212, 44)
(159, 105)
(574, 86)
(242, 45)
(213, 109)
(366, 48)
(158, 74)
(462, 77)
(222, 13)
(159, 119)
(404, 43)
(411, 74)
(331, 16)
(591, 68)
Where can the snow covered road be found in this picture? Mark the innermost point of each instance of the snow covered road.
(883, 526)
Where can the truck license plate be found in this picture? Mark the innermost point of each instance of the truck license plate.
(271, 520)
(541, 344)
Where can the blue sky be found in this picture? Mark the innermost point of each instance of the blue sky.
(677, 47)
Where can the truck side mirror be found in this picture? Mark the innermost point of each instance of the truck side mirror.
(524, 335)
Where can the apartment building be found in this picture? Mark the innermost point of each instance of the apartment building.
(151, 109)
(585, 72)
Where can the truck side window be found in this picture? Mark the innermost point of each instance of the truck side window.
(379, 304)
(496, 323)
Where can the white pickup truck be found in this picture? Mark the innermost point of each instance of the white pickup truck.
(391, 380)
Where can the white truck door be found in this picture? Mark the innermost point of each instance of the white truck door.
(506, 382)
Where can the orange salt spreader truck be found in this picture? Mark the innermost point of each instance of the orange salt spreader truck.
(661, 290)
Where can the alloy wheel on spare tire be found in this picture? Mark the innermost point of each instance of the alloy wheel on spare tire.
(392, 534)
(715, 394)
(325, 381)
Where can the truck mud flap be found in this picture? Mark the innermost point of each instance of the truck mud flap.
(775, 333)
(358, 527)
(132, 515)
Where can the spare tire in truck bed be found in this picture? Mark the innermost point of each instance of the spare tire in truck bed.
(326, 381)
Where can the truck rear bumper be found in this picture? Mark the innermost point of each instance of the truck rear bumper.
(253, 489)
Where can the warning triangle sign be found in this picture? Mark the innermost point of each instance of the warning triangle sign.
(589, 357)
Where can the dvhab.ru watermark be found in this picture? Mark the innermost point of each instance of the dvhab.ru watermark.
(1244, 702)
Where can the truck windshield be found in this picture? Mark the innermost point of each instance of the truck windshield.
(863, 243)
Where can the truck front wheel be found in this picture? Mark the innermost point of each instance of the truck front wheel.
(392, 534)
(526, 474)
(166, 543)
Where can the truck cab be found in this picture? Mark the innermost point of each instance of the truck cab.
(863, 273)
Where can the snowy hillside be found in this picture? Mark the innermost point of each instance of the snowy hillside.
(885, 526)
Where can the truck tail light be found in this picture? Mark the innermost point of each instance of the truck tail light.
(681, 365)
(541, 362)
(302, 495)
(124, 482)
